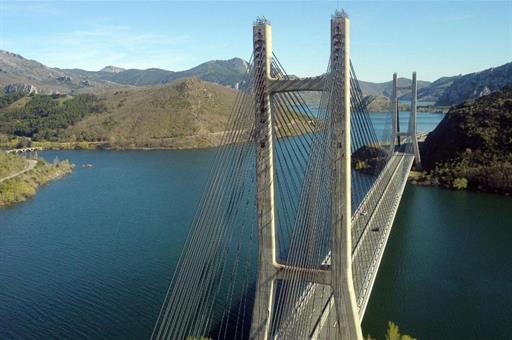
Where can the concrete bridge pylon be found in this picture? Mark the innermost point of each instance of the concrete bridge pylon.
(338, 274)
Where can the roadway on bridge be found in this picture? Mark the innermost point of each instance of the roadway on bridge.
(317, 301)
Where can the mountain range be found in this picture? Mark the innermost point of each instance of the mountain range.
(18, 73)
(17, 70)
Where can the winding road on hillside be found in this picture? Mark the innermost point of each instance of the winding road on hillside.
(31, 165)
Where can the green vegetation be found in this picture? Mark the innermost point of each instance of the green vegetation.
(393, 333)
(460, 183)
(369, 159)
(46, 117)
(10, 164)
(361, 165)
(472, 146)
(19, 188)
(6, 100)
(185, 114)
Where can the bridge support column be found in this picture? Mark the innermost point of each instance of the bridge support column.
(265, 288)
(394, 114)
(341, 248)
(412, 122)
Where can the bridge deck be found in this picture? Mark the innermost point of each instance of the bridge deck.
(371, 230)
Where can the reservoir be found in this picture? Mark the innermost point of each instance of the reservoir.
(92, 254)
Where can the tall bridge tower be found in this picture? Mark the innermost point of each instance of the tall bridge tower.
(395, 113)
(338, 273)
(284, 174)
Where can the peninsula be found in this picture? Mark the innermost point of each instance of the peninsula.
(20, 177)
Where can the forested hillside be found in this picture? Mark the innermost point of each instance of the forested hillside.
(45, 117)
(187, 113)
(472, 146)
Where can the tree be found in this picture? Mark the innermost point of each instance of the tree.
(394, 333)
(460, 183)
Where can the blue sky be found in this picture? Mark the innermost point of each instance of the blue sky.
(435, 38)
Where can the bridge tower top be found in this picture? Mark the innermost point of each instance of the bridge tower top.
(262, 45)
(340, 40)
(339, 14)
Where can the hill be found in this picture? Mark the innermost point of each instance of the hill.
(377, 103)
(44, 117)
(187, 113)
(112, 69)
(17, 70)
(475, 85)
(184, 114)
(445, 91)
(472, 146)
(18, 74)
(376, 95)
(435, 90)
(386, 88)
(225, 72)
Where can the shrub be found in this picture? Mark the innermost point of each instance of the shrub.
(460, 183)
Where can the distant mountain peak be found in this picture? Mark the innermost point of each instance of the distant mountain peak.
(112, 69)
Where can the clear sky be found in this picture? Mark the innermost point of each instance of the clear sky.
(435, 38)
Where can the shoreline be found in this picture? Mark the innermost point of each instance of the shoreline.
(23, 186)
(421, 178)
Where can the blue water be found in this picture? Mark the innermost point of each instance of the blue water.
(425, 122)
(92, 254)
(447, 269)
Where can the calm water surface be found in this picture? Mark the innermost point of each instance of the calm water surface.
(92, 254)
(447, 269)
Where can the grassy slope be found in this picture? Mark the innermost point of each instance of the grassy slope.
(20, 188)
(181, 114)
(187, 113)
(10, 164)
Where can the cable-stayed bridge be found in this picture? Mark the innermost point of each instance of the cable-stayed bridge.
(293, 222)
